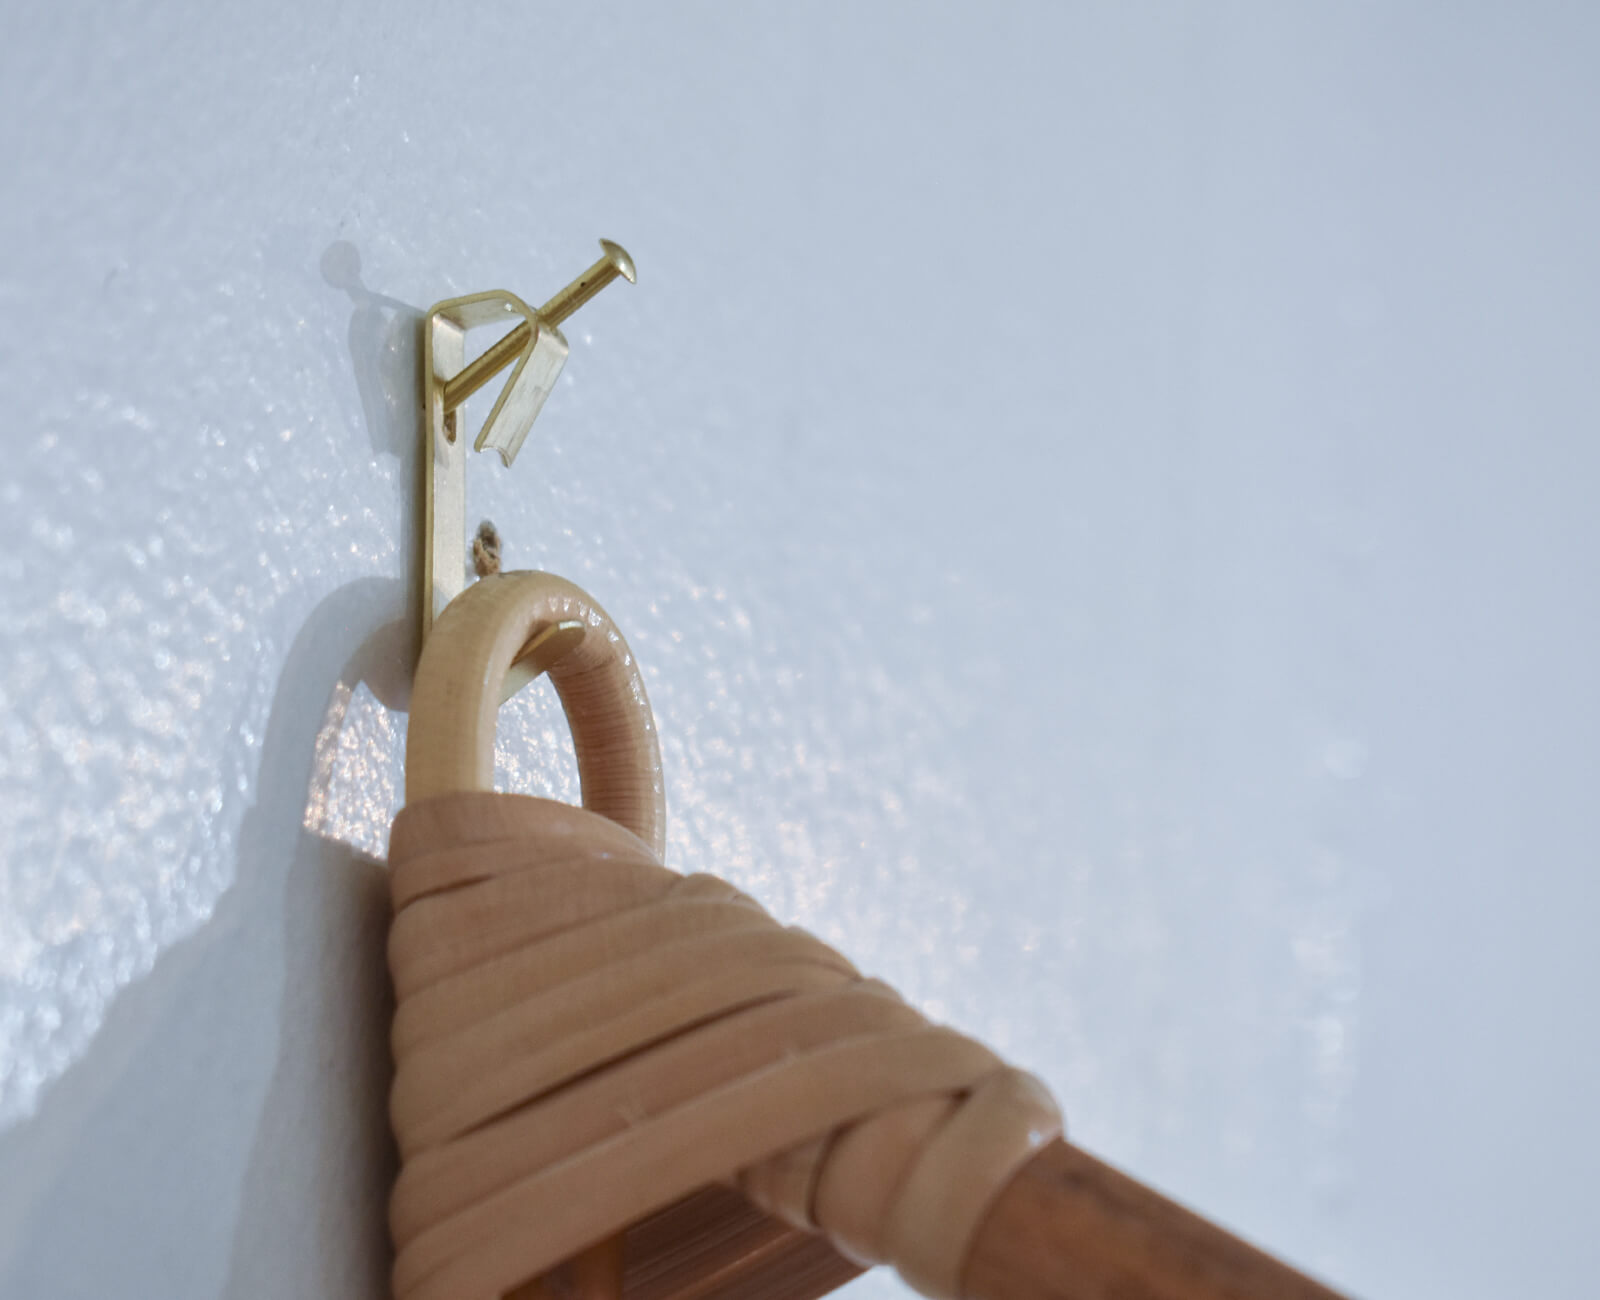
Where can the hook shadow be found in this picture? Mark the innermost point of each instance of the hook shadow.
(385, 342)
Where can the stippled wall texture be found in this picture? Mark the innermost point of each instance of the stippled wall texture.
(1103, 496)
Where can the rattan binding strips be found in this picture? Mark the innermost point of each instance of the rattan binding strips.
(583, 1037)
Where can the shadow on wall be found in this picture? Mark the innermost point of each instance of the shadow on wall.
(385, 338)
(144, 1154)
(279, 1007)
(312, 1217)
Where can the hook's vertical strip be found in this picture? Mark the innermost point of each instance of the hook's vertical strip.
(444, 524)
(536, 351)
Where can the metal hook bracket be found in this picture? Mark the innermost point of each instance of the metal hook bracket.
(535, 350)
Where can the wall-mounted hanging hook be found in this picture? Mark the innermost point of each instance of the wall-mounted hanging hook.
(535, 350)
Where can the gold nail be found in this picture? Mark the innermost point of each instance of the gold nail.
(615, 262)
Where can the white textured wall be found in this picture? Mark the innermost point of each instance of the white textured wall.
(1104, 497)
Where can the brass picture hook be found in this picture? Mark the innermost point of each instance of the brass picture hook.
(535, 350)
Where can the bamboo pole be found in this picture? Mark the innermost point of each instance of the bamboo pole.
(1070, 1227)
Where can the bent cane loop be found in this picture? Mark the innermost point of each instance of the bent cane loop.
(534, 623)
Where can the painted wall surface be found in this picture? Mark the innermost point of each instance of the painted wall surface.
(1104, 496)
